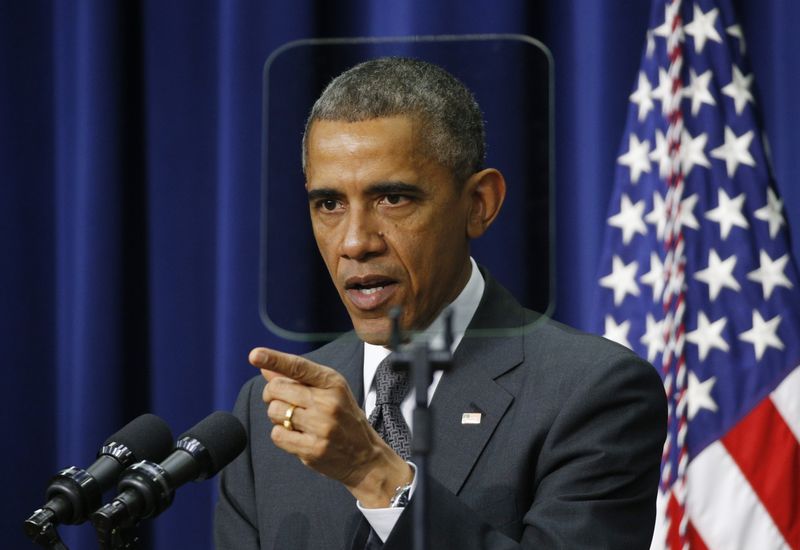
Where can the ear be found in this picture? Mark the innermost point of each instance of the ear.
(485, 190)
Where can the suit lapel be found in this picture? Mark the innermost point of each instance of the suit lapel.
(483, 355)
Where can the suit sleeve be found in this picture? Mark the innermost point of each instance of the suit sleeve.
(236, 517)
(596, 476)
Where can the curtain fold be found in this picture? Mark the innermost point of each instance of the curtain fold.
(130, 137)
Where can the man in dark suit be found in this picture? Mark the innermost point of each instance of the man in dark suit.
(543, 437)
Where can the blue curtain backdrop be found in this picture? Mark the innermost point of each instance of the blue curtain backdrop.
(129, 199)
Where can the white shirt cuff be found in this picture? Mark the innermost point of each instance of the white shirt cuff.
(383, 520)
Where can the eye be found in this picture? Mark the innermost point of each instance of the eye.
(327, 205)
(395, 199)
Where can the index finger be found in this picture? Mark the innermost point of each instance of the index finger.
(293, 366)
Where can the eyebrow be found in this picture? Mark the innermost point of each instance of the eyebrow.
(380, 188)
(395, 188)
(323, 194)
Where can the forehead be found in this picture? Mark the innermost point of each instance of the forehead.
(361, 150)
(395, 134)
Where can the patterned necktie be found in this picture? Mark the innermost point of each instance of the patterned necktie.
(391, 387)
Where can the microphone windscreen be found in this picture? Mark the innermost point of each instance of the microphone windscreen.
(147, 436)
(222, 435)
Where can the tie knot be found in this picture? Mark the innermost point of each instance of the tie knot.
(391, 386)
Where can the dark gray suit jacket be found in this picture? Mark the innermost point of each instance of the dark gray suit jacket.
(566, 454)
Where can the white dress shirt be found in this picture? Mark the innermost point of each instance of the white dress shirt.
(463, 307)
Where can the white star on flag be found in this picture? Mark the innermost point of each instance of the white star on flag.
(629, 219)
(698, 395)
(641, 96)
(617, 332)
(728, 213)
(735, 151)
(653, 337)
(718, 274)
(770, 273)
(702, 28)
(665, 29)
(622, 279)
(660, 154)
(663, 92)
(763, 334)
(636, 157)
(739, 89)
(698, 90)
(651, 43)
(658, 215)
(736, 32)
(692, 153)
(708, 335)
(771, 213)
(655, 277)
(686, 213)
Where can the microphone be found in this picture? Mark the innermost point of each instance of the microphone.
(147, 489)
(74, 493)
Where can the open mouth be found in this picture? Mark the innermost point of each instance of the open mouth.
(369, 292)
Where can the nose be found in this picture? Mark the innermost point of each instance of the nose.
(362, 238)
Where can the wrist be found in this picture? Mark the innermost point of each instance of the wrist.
(382, 483)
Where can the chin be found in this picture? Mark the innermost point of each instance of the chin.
(374, 331)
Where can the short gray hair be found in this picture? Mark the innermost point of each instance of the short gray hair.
(453, 132)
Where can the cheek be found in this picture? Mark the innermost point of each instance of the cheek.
(421, 254)
(327, 248)
(323, 234)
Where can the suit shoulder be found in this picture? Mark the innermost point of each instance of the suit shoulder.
(571, 342)
(580, 355)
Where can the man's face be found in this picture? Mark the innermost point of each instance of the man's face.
(390, 224)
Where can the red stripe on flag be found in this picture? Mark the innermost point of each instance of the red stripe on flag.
(674, 513)
(766, 451)
(696, 542)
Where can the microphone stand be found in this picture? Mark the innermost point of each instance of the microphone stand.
(113, 536)
(42, 531)
(422, 361)
(119, 538)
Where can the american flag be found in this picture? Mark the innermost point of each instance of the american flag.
(696, 276)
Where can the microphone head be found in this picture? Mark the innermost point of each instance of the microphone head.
(146, 436)
(222, 435)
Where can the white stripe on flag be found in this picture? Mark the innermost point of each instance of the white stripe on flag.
(723, 507)
(786, 398)
(659, 541)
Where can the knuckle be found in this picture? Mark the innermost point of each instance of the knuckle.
(272, 409)
(325, 406)
(339, 384)
(296, 367)
(330, 405)
(326, 431)
(267, 360)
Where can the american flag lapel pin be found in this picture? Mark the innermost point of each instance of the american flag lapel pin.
(471, 418)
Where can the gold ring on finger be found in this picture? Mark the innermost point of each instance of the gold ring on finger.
(287, 422)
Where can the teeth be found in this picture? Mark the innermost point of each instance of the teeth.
(372, 290)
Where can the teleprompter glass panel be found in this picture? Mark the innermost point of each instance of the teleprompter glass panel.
(510, 76)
